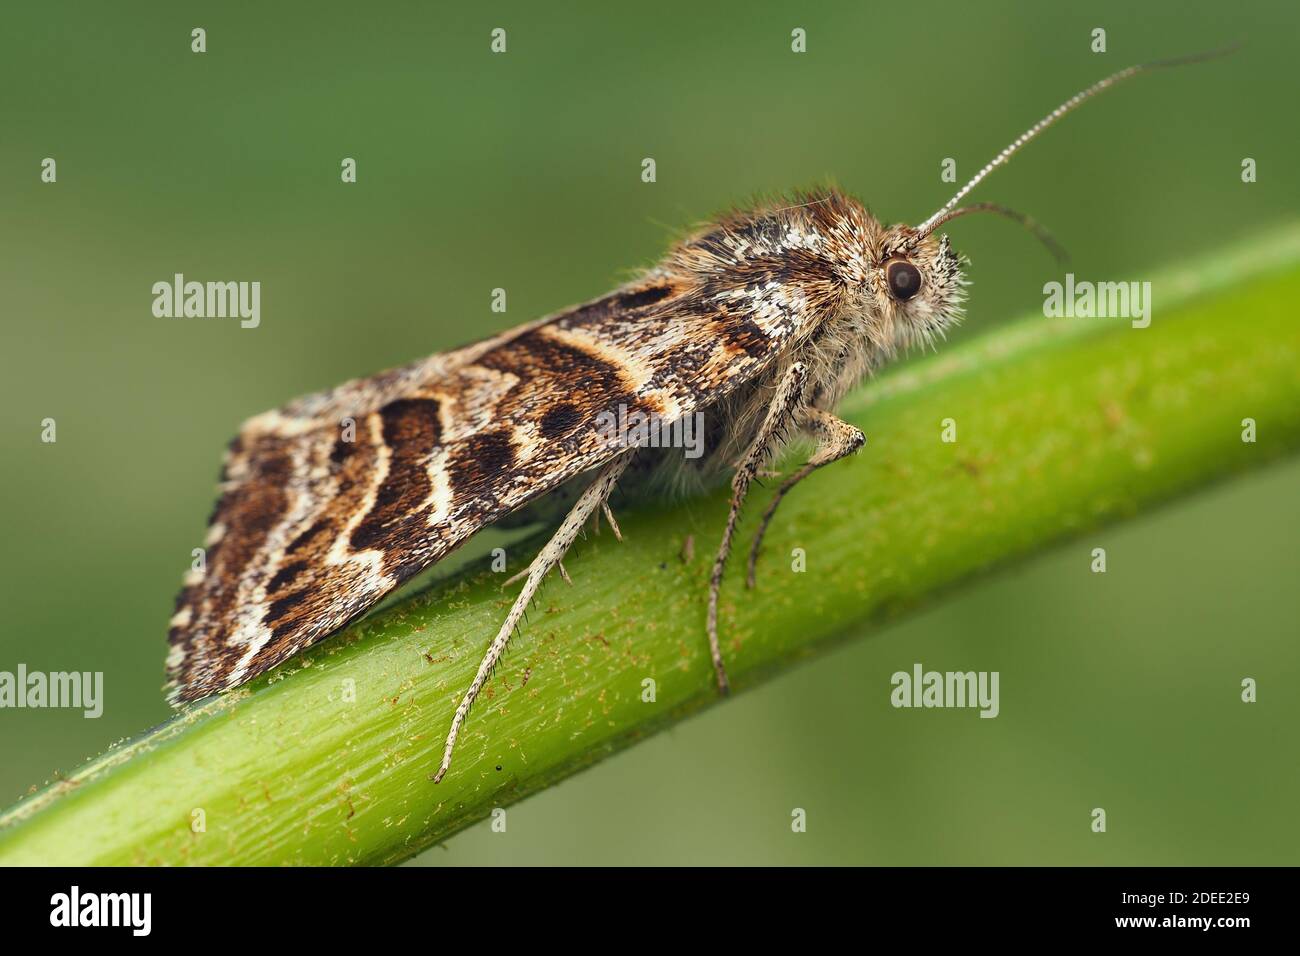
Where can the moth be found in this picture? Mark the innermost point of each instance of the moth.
(761, 321)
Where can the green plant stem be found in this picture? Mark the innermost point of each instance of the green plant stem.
(1062, 425)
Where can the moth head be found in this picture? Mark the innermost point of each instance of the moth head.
(917, 285)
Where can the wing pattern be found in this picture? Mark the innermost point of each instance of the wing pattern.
(330, 502)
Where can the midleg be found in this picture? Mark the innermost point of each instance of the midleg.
(789, 394)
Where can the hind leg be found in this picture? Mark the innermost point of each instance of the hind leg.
(595, 495)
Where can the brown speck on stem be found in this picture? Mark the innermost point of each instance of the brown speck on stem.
(974, 464)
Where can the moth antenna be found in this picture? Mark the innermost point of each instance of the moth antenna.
(1040, 232)
(927, 227)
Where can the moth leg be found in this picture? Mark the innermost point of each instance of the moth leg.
(836, 439)
(613, 525)
(549, 557)
(789, 394)
(520, 575)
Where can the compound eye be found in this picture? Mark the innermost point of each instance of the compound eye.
(904, 279)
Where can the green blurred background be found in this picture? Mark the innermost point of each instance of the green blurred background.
(522, 171)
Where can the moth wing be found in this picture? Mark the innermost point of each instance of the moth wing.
(332, 501)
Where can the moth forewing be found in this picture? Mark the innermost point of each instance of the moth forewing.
(335, 499)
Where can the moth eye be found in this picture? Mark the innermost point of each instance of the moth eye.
(904, 279)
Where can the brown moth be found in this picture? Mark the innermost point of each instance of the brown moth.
(762, 320)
